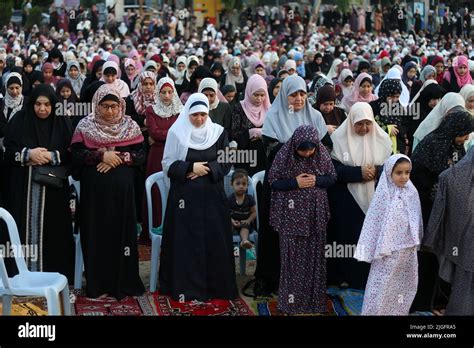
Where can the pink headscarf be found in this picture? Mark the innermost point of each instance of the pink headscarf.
(462, 80)
(128, 62)
(138, 63)
(116, 60)
(255, 114)
(355, 97)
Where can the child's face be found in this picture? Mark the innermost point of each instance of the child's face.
(401, 174)
(230, 96)
(73, 72)
(28, 68)
(240, 185)
(65, 92)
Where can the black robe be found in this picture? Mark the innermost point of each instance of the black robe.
(52, 235)
(197, 259)
(108, 222)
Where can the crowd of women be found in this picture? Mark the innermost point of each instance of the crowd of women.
(363, 138)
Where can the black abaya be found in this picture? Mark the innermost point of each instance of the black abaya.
(197, 260)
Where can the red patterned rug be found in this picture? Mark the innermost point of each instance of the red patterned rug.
(168, 307)
(109, 306)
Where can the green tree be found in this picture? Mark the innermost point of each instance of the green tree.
(34, 17)
(345, 5)
(6, 13)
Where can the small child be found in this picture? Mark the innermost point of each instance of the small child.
(390, 238)
(242, 207)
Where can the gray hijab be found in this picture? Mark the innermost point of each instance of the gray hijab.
(281, 122)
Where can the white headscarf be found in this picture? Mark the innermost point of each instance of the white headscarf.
(79, 80)
(467, 92)
(434, 118)
(391, 206)
(174, 108)
(332, 74)
(354, 150)
(12, 103)
(210, 83)
(395, 73)
(231, 79)
(183, 135)
(280, 123)
(118, 84)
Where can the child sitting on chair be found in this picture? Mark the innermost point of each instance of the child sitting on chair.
(242, 207)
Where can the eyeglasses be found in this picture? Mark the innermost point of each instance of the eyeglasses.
(113, 107)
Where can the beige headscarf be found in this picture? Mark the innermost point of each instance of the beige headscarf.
(354, 150)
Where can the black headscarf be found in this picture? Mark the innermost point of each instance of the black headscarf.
(217, 66)
(272, 86)
(432, 91)
(65, 83)
(437, 148)
(30, 131)
(201, 72)
(337, 115)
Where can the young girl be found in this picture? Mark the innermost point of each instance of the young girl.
(299, 212)
(390, 237)
(243, 211)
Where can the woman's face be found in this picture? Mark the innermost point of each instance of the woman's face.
(439, 68)
(297, 100)
(152, 69)
(148, 86)
(276, 89)
(260, 71)
(365, 89)
(130, 70)
(110, 78)
(65, 92)
(235, 70)
(47, 74)
(411, 73)
(14, 90)
(98, 74)
(470, 103)
(461, 139)
(363, 127)
(217, 73)
(109, 110)
(43, 107)
(258, 97)
(166, 95)
(327, 107)
(211, 95)
(306, 153)
(275, 65)
(386, 68)
(198, 119)
(433, 102)
(191, 69)
(28, 68)
(348, 83)
(462, 70)
(73, 72)
(230, 96)
(181, 67)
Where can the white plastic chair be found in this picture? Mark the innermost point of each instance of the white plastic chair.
(79, 260)
(253, 236)
(256, 179)
(27, 283)
(153, 179)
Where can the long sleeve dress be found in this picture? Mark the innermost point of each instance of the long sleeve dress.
(107, 219)
(197, 260)
(240, 133)
(157, 130)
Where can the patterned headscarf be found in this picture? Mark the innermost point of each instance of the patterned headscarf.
(13, 103)
(288, 164)
(140, 99)
(436, 150)
(388, 88)
(79, 80)
(97, 133)
(381, 234)
(174, 108)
